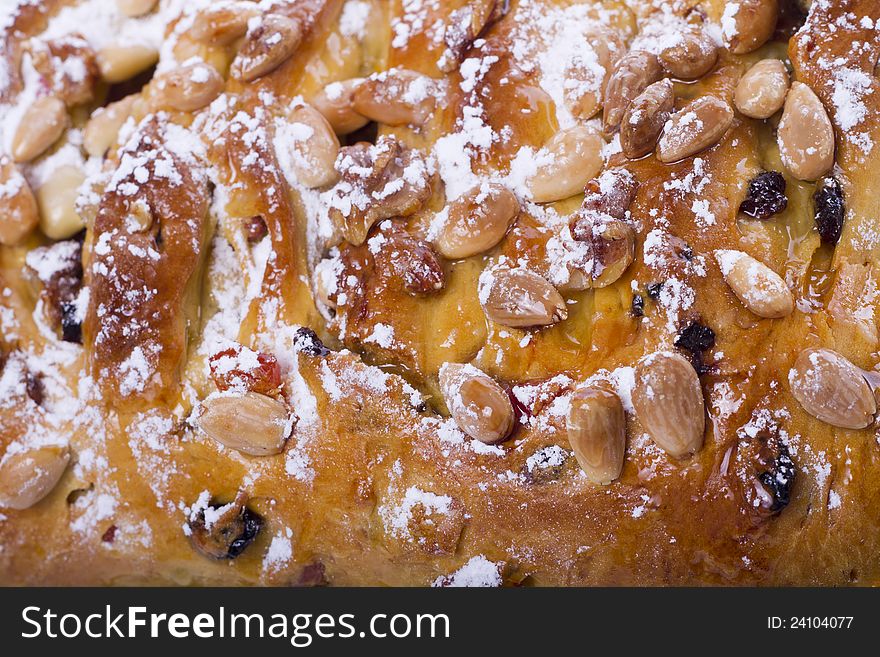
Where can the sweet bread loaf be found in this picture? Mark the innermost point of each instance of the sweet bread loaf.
(410, 292)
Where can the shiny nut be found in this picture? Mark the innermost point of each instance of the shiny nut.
(643, 121)
(268, 44)
(520, 298)
(135, 8)
(18, 207)
(698, 126)
(223, 22)
(307, 143)
(746, 25)
(596, 427)
(396, 97)
(668, 402)
(56, 198)
(478, 405)
(119, 63)
(26, 477)
(691, 56)
(586, 73)
(761, 92)
(102, 130)
(188, 88)
(760, 289)
(573, 156)
(832, 389)
(249, 422)
(805, 135)
(477, 221)
(335, 103)
(41, 125)
(633, 74)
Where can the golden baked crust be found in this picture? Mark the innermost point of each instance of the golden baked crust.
(226, 225)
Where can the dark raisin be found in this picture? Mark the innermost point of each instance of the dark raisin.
(654, 290)
(638, 306)
(306, 341)
(255, 228)
(35, 389)
(312, 574)
(829, 209)
(71, 326)
(695, 337)
(545, 465)
(110, 535)
(766, 196)
(780, 478)
(228, 534)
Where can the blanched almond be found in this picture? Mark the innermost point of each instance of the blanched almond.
(188, 88)
(692, 55)
(103, 127)
(644, 119)
(335, 102)
(268, 44)
(223, 22)
(41, 125)
(574, 157)
(477, 221)
(832, 389)
(478, 405)
(760, 289)
(668, 402)
(309, 146)
(396, 97)
(520, 298)
(119, 63)
(699, 125)
(761, 92)
(135, 8)
(18, 207)
(57, 200)
(746, 25)
(596, 427)
(633, 74)
(26, 477)
(805, 135)
(250, 423)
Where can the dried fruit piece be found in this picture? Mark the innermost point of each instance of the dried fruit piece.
(410, 261)
(778, 481)
(765, 196)
(119, 63)
(596, 426)
(644, 119)
(692, 54)
(242, 369)
(832, 389)
(255, 229)
(335, 103)
(633, 74)
(829, 210)
(18, 207)
(575, 156)
(761, 92)
(699, 125)
(308, 146)
(396, 97)
(223, 531)
(188, 88)
(760, 289)
(477, 221)
(223, 22)
(520, 298)
(27, 476)
(668, 402)
(805, 135)
(41, 125)
(268, 44)
(103, 127)
(248, 422)
(478, 405)
(746, 25)
(696, 338)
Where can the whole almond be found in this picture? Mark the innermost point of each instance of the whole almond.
(586, 74)
(477, 221)
(614, 244)
(41, 125)
(249, 422)
(135, 8)
(832, 389)
(26, 477)
(478, 405)
(668, 402)
(699, 125)
(335, 102)
(691, 56)
(746, 25)
(760, 289)
(574, 157)
(223, 22)
(644, 119)
(56, 199)
(268, 44)
(805, 135)
(761, 92)
(520, 298)
(396, 97)
(188, 88)
(103, 127)
(632, 75)
(18, 207)
(596, 427)
(309, 146)
(119, 63)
